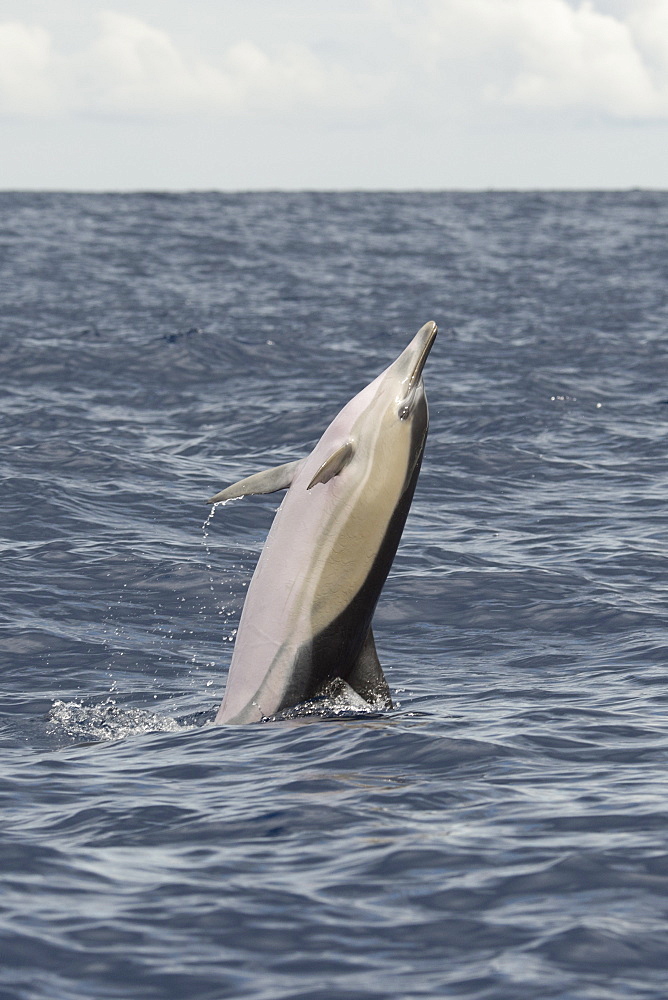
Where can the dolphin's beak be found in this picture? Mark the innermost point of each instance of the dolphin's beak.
(407, 369)
(422, 343)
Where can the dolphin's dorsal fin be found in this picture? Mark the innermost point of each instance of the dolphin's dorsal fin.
(334, 464)
(367, 677)
(262, 482)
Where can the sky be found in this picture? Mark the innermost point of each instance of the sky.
(360, 94)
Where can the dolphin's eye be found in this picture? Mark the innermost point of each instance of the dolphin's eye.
(404, 412)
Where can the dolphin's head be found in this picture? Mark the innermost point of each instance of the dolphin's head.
(399, 397)
(386, 423)
(379, 435)
(404, 376)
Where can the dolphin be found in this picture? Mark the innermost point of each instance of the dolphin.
(306, 620)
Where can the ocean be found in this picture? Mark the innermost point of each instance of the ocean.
(502, 833)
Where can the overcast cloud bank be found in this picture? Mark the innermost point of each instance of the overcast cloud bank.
(544, 53)
(526, 54)
(134, 68)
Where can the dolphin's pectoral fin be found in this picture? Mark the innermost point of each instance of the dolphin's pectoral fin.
(367, 677)
(262, 482)
(333, 466)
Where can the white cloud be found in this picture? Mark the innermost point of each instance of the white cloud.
(133, 68)
(446, 56)
(542, 53)
(648, 23)
(26, 69)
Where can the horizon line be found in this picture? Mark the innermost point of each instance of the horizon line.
(488, 189)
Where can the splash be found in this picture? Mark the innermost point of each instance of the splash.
(108, 721)
(227, 613)
(205, 543)
(336, 699)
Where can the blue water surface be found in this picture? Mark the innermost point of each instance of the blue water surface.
(502, 834)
